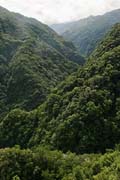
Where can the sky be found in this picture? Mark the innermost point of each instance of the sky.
(59, 11)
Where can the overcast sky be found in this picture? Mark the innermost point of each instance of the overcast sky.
(57, 11)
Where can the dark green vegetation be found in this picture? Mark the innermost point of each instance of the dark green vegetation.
(81, 113)
(84, 111)
(42, 164)
(87, 33)
(33, 59)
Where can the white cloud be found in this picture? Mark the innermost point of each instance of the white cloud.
(54, 11)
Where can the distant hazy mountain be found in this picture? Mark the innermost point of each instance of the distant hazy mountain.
(33, 59)
(86, 33)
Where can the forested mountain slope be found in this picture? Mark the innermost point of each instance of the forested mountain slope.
(81, 113)
(33, 59)
(84, 111)
(87, 33)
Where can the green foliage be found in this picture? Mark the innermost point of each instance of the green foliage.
(79, 115)
(16, 178)
(33, 59)
(44, 164)
(20, 127)
(83, 112)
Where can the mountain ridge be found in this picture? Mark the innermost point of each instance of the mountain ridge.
(58, 120)
(33, 59)
(87, 33)
(80, 113)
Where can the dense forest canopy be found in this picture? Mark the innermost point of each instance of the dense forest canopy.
(79, 114)
(58, 120)
(84, 110)
(41, 163)
(33, 59)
